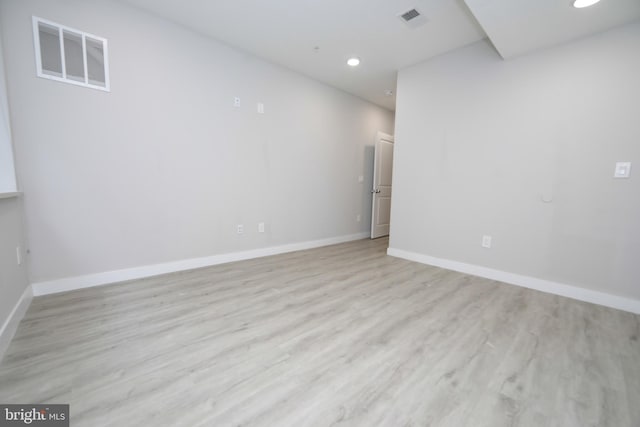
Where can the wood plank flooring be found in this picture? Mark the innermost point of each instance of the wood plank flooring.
(336, 336)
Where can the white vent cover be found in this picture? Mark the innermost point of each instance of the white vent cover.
(413, 18)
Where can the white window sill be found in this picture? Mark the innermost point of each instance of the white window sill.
(8, 195)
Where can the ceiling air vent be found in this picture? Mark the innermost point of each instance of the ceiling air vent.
(413, 18)
(410, 14)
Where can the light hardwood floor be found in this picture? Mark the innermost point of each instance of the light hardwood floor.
(337, 336)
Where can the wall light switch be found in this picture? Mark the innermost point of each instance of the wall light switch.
(360, 178)
(623, 169)
(260, 108)
(18, 255)
(358, 218)
(261, 227)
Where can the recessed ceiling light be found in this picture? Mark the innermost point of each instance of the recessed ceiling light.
(353, 62)
(584, 3)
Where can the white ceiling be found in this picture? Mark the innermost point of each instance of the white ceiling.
(286, 31)
(516, 27)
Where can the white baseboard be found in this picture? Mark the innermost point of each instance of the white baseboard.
(108, 277)
(575, 292)
(10, 325)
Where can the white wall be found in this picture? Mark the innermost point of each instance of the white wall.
(13, 277)
(480, 141)
(164, 167)
(7, 170)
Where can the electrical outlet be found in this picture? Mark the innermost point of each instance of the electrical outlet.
(236, 102)
(486, 241)
(240, 229)
(358, 217)
(623, 170)
(360, 178)
(261, 227)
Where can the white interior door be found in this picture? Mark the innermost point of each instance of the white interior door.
(382, 172)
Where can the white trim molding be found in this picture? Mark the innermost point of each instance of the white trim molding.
(570, 291)
(115, 276)
(10, 325)
(10, 194)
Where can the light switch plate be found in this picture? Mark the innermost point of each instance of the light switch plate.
(623, 169)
